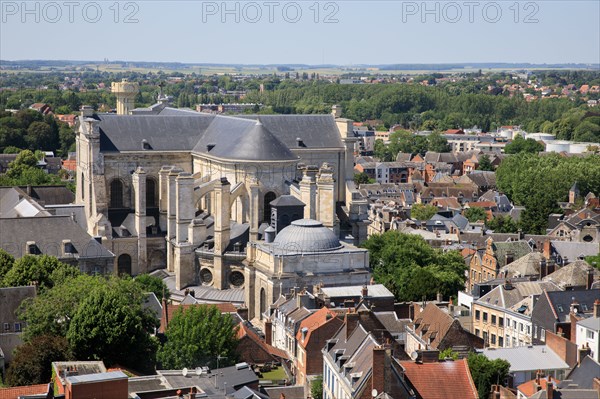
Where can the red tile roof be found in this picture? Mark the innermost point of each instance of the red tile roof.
(529, 388)
(245, 331)
(441, 380)
(15, 392)
(313, 322)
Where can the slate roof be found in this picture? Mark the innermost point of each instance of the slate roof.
(573, 275)
(10, 300)
(575, 250)
(528, 265)
(286, 200)
(507, 298)
(50, 195)
(591, 323)
(163, 133)
(241, 139)
(560, 301)
(48, 233)
(517, 249)
(247, 393)
(526, 358)
(432, 324)
(583, 375)
(483, 178)
(441, 380)
(183, 130)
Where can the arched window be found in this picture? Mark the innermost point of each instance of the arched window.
(263, 302)
(270, 196)
(116, 194)
(150, 193)
(124, 265)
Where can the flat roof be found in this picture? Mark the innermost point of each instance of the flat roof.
(375, 290)
(526, 358)
(98, 377)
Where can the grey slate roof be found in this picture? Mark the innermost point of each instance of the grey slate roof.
(524, 358)
(163, 133)
(286, 200)
(236, 138)
(306, 235)
(583, 375)
(183, 130)
(48, 233)
(573, 275)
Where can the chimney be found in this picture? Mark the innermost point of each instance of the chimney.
(597, 308)
(590, 281)
(268, 331)
(439, 297)
(86, 111)
(538, 380)
(543, 269)
(550, 388)
(365, 291)
(583, 352)
(380, 377)
(508, 258)
(351, 321)
(192, 394)
(495, 394)
(547, 249)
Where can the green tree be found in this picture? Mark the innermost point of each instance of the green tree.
(422, 212)
(412, 269)
(32, 361)
(448, 353)
(519, 144)
(196, 336)
(362, 178)
(485, 163)
(475, 214)
(486, 372)
(153, 284)
(6, 263)
(437, 143)
(502, 224)
(316, 388)
(110, 324)
(593, 260)
(32, 268)
(40, 135)
(382, 151)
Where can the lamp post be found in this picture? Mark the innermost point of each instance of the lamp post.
(219, 357)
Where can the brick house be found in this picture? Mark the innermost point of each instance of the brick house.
(315, 330)
(253, 350)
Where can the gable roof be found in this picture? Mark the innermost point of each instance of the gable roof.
(432, 324)
(528, 388)
(315, 321)
(441, 380)
(560, 301)
(583, 375)
(528, 265)
(246, 331)
(507, 297)
(573, 275)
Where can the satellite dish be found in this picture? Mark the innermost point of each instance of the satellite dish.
(374, 393)
(184, 372)
(414, 355)
(198, 371)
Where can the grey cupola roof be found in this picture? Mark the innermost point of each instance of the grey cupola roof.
(243, 139)
(306, 235)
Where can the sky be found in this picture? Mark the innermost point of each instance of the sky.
(302, 31)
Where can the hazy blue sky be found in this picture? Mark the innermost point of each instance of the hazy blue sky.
(342, 32)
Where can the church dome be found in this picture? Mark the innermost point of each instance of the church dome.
(306, 235)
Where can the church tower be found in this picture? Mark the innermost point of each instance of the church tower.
(125, 92)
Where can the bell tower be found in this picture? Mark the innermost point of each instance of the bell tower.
(125, 92)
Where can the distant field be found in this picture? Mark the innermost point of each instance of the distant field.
(210, 70)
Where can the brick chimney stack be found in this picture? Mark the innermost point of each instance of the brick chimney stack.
(382, 369)
(365, 291)
(597, 308)
(268, 331)
(549, 388)
(351, 321)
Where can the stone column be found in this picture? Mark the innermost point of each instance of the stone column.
(171, 215)
(222, 233)
(139, 190)
(254, 210)
(326, 192)
(308, 191)
(184, 206)
(163, 191)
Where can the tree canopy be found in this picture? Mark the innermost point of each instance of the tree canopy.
(153, 284)
(486, 372)
(39, 269)
(422, 212)
(101, 318)
(519, 144)
(409, 267)
(540, 182)
(195, 337)
(475, 214)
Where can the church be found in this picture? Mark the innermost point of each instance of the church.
(249, 201)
